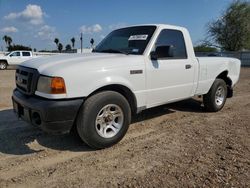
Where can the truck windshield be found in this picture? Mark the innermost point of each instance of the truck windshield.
(131, 40)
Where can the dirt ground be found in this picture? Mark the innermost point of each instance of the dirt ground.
(175, 145)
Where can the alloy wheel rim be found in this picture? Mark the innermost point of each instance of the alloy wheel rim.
(220, 96)
(109, 121)
(2, 66)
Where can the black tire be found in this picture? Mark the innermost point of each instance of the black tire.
(86, 120)
(211, 101)
(3, 65)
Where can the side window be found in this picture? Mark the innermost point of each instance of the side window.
(15, 54)
(175, 39)
(26, 54)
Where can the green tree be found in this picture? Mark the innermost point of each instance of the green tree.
(204, 48)
(56, 41)
(92, 41)
(18, 47)
(60, 47)
(73, 42)
(232, 30)
(7, 40)
(68, 47)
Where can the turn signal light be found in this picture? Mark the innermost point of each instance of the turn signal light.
(58, 85)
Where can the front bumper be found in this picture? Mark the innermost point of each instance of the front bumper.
(55, 116)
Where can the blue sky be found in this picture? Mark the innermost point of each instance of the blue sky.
(36, 23)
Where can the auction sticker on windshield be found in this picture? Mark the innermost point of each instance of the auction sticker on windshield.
(138, 37)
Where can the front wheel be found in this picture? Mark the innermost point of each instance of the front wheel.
(215, 99)
(103, 119)
(3, 65)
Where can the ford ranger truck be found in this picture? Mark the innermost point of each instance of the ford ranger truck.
(132, 69)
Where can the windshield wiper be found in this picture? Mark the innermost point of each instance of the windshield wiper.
(112, 51)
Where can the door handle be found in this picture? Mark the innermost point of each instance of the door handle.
(188, 66)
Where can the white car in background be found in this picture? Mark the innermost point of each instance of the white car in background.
(14, 58)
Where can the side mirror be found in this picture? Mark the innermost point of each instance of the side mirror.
(153, 55)
(162, 52)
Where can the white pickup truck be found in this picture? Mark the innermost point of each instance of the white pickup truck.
(132, 69)
(14, 58)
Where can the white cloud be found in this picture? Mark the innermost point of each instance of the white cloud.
(47, 32)
(117, 26)
(32, 14)
(91, 29)
(11, 16)
(10, 29)
(97, 28)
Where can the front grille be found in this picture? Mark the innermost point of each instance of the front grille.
(26, 80)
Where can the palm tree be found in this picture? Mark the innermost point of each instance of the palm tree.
(92, 42)
(7, 39)
(60, 47)
(73, 42)
(56, 41)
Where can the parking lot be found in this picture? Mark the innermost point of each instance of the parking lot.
(172, 145)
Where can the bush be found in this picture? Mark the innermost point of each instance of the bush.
(18, 47)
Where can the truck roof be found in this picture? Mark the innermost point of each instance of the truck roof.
(21, 51)
(159, 26)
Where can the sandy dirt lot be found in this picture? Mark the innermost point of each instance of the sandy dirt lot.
(175, 145)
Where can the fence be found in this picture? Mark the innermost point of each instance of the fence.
(243, 56)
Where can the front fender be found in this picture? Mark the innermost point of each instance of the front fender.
(109, 80)
(2, 59)
(95, 80)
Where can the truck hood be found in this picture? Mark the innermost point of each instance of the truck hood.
(56, 64)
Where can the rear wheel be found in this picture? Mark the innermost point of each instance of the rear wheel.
(215, 99)
(103, 119)
(3, 65)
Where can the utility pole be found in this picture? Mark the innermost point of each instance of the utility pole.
(81, 42)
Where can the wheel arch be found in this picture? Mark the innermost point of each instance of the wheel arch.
(123, 90)
(4, 60)
(224, 76)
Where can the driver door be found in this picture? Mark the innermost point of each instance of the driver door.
(170, 78)
(15, 58)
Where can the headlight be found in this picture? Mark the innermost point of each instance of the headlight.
(51, 85)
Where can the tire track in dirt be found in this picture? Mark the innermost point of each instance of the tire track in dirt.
(66, 156)
(69, 155)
